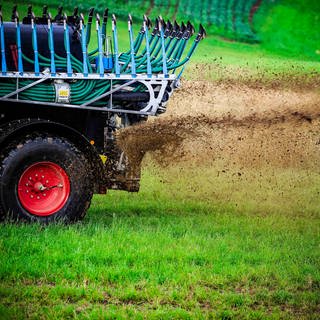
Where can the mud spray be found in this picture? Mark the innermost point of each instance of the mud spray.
(255, 148)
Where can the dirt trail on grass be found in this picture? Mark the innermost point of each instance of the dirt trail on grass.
(261, 137)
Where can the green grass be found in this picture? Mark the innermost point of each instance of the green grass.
(160, 254)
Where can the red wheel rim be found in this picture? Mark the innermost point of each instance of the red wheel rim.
(43, 188)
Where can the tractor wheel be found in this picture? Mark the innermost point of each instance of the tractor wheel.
(45, 179)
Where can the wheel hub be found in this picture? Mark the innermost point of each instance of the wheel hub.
(43, 188)
(38, 187)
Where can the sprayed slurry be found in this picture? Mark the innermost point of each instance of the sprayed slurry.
(256, 74)
(226, 119)
(238, 142)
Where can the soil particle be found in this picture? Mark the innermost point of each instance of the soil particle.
(236, 124)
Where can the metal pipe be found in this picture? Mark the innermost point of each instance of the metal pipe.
(132, 53)
(100, 47)
(84, 46)
(3, 49)
(20, 64)
(115, 41)
(67, 45)
(51, 45)
(164, 57)
(35, 45)
(145, 26)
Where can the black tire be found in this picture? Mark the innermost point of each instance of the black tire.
(37, 148)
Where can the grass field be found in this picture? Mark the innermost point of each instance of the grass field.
(222, 238)
(155, 255)
(176, 250)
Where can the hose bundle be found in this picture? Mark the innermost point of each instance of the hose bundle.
(51, 46)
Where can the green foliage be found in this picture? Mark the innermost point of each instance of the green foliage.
(290, 27)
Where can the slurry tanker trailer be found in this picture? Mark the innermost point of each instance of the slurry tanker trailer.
(62, 103)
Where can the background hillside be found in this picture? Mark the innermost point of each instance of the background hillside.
(289, 27)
